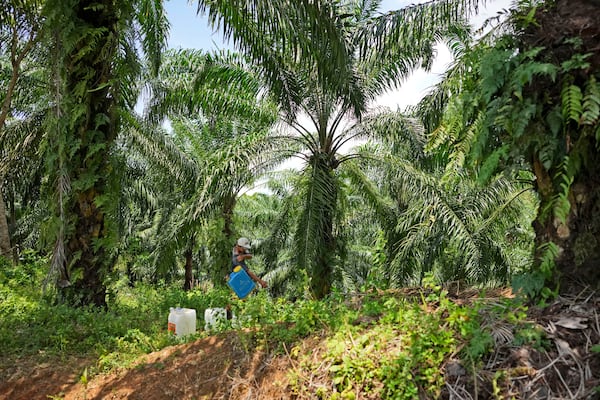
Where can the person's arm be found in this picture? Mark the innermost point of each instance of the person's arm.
(256, 278)
(244, 256)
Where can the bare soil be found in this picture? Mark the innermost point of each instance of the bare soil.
(224, 367)
(216, 367)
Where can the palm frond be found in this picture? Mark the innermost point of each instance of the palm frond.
(460, 216)
(191, 85)
(20, 143)
(154, 26)
(415, 25)
(403, 134)
(385, 208)
(155, 146)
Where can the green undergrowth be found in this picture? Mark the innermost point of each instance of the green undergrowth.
(379, 344)
(397, 348)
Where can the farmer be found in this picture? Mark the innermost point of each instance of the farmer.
(241, 253)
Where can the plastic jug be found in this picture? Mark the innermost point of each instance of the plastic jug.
(214, 316)
(240, 282)
(182, 321)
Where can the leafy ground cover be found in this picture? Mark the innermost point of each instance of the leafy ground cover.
(428, 343)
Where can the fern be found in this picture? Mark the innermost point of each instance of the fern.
(548, 253)
(464, 147)
(494, 68)
(577, 61)
(554, 120)
(437, 138)
(546, 151)
(572, 106)
(565, 177)
(591, 103)
(529, 284)
(524, 73)
(490, 165)
(561, 204)
(482, 131)
(522, 119)
(450, 128)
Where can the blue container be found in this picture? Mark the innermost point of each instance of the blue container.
(241, 283)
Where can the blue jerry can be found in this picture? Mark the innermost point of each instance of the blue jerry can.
(241, 283)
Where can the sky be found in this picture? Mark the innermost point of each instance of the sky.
(190, 30)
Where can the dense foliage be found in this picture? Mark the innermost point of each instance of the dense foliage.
(526, 98)
(109, 216)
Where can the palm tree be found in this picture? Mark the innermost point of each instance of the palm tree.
(159, 176)
(94, 64)
(20, 25)
(224, 134)
(273, 217)
(325, 62)
(437, 221)
(5, 249)
(22, 167)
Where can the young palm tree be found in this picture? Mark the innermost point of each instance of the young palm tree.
(324, 63)
(436, 222)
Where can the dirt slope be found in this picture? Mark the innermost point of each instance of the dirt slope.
(212, 368)
(225, 367)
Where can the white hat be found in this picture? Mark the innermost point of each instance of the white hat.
(243, 242)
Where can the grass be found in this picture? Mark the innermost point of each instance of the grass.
(382, 344)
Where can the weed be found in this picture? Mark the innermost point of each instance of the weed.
(532, 335)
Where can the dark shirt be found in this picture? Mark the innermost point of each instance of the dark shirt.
(235, 262)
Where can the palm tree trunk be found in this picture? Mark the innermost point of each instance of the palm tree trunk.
(5, 247)
(89, 229)
(189, 273)
(224, 246)
(322, 277)
(16, 60)
(326, 205)
(131, 279)
(90, 109)
(578, 238)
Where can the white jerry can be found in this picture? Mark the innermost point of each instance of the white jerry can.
(214, 316)
(182, 321)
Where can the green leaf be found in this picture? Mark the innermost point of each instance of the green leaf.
(591, 103)
(572, 108)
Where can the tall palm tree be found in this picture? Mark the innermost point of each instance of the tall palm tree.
(325, 62)
(95, 64)
(20, 26)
